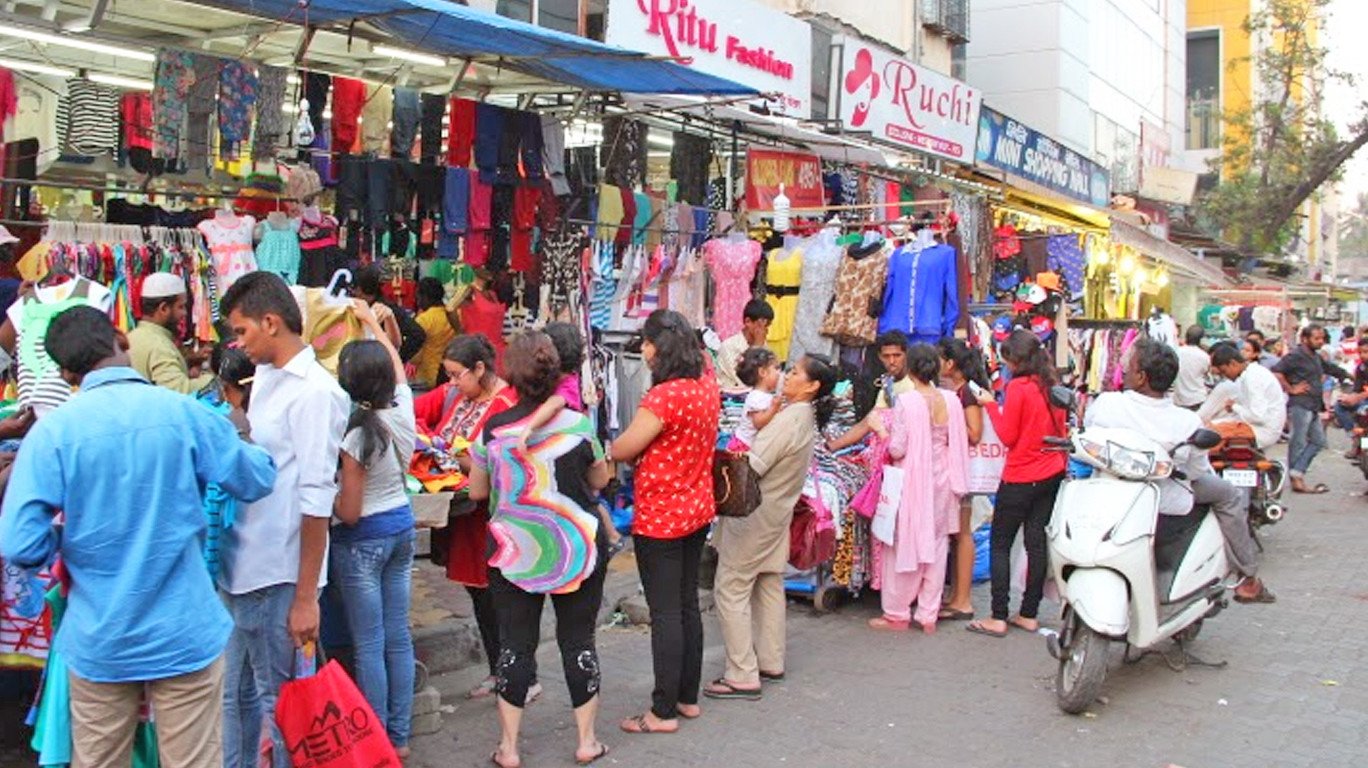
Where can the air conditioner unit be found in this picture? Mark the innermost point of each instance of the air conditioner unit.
(947, 18)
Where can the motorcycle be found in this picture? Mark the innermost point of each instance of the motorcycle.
(1243, 465)
(1124, 571)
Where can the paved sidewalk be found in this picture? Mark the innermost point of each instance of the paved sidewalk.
(1295, 692)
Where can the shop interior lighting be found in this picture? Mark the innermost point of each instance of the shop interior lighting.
(413, 56)
(36, 68)
(79, 43)
(119, 81)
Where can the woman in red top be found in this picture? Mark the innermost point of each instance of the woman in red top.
(1030, 478)
(457, 412)
(674, 433)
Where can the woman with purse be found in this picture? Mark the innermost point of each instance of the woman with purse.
(370, 559)
(753, 550)
(674, 433)
(548, 539)
(456, 412)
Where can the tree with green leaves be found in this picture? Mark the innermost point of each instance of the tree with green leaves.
(1279, 151)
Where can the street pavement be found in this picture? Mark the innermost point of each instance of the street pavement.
(1295, 691)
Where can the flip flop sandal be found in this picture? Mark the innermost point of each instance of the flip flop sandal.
(602, 753)
(1264, 597)
(640, 725)
(978, 629)
(729, 691)
(950, 614)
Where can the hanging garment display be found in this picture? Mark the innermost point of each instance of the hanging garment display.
(88, 118)
(408, 114)
(732, 262)
(858, 299)
(922, 295)
(272, 127)
(237, 97)
(376, 114)
(821, 261)
(278, 250)
(783, 278)
(348, 99)
(201, 104)
(483, 313)
(230, 242)
(624, 151)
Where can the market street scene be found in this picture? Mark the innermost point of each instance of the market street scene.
(683, 382)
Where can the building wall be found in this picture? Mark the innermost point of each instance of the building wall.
(1085, 72)
(891, 23)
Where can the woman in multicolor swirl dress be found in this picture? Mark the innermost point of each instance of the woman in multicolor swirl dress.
(548, 541)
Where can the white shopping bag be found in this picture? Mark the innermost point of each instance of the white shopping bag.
(885, 520)
(986, 461)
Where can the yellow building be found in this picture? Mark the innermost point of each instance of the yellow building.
(1222, 80)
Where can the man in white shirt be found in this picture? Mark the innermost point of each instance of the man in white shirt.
(1190, 389)
(1257, 399)
(1143, 407)
(275, 551)
(755, 323)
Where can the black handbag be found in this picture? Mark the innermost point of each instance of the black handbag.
(736, 484)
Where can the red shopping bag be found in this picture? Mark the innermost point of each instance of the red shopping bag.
(326, 723)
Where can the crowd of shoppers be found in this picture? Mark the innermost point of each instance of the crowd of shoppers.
(313, 468)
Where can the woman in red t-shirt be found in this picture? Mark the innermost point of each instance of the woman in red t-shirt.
(674, 433)
(1030, 478)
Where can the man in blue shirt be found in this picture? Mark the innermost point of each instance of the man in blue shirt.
(126, 463)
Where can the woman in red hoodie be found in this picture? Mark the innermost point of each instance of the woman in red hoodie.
(1030, 478)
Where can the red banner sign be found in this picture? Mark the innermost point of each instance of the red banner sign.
(799, 172)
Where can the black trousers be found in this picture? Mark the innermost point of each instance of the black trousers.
(1021, 506)
(669, 577)
(487, 622)
(520, 632)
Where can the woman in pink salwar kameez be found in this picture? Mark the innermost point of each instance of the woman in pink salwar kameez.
(927, 436)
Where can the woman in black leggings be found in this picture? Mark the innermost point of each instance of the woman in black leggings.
(1030, 478)
(548, 541)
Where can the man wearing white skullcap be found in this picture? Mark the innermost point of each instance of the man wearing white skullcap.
(152, 345)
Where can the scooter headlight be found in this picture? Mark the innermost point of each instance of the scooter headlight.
(1130, 464)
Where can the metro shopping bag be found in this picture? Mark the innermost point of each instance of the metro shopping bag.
(885, 520)
(326, 723)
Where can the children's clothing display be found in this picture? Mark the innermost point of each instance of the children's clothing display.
(230, 242)
(279, 250)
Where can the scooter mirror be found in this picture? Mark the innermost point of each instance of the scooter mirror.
(1062, 397)
(1205, 439)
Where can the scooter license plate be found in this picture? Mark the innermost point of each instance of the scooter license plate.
(1242, 478)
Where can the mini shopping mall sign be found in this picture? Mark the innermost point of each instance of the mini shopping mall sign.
(904, 104)
(740, 40)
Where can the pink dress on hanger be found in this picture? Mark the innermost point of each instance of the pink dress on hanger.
(732, 262)
(230, 243)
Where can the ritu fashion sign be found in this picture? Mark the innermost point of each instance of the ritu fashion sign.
(1011, 146)
(740, 40)
(905, 104)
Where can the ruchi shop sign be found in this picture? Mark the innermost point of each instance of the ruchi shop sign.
(904, 104)
(740, 40)
(799, 173)
(1009, 145)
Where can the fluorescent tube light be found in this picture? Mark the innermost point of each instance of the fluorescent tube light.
(80, 43)
(37, 69)
(413, 56)
(119, 81)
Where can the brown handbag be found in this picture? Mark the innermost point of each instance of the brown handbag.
(736, 484)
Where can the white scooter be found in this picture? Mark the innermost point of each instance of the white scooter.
(1124, 571)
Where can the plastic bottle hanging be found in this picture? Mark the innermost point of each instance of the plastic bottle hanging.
(781, 210)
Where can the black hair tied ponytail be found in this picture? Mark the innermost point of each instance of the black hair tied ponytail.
(820, 369)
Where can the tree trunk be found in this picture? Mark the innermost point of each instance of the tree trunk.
(1288, 205)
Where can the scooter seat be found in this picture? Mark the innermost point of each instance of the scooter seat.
(1173, 534)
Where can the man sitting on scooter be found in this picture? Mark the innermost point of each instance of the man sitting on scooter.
(1145, 408)
(1257, 405)
(1354, 403)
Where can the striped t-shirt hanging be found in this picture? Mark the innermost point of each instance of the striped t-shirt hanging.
(88, 118)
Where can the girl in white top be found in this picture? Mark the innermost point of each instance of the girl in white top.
(758, 369)
(371, 555)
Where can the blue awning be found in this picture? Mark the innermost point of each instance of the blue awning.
(444, 28)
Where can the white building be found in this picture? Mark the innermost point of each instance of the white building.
(1089, 73)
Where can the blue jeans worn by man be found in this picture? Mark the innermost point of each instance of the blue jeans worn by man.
(1307, 439)
(260, 658)
(1344, 414)
(373, 578)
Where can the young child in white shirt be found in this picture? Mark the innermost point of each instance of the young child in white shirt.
(758, 369)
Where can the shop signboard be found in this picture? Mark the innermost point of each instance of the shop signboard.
(907, 105)
(741, 40)
(799, 172)
(1011, 146)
